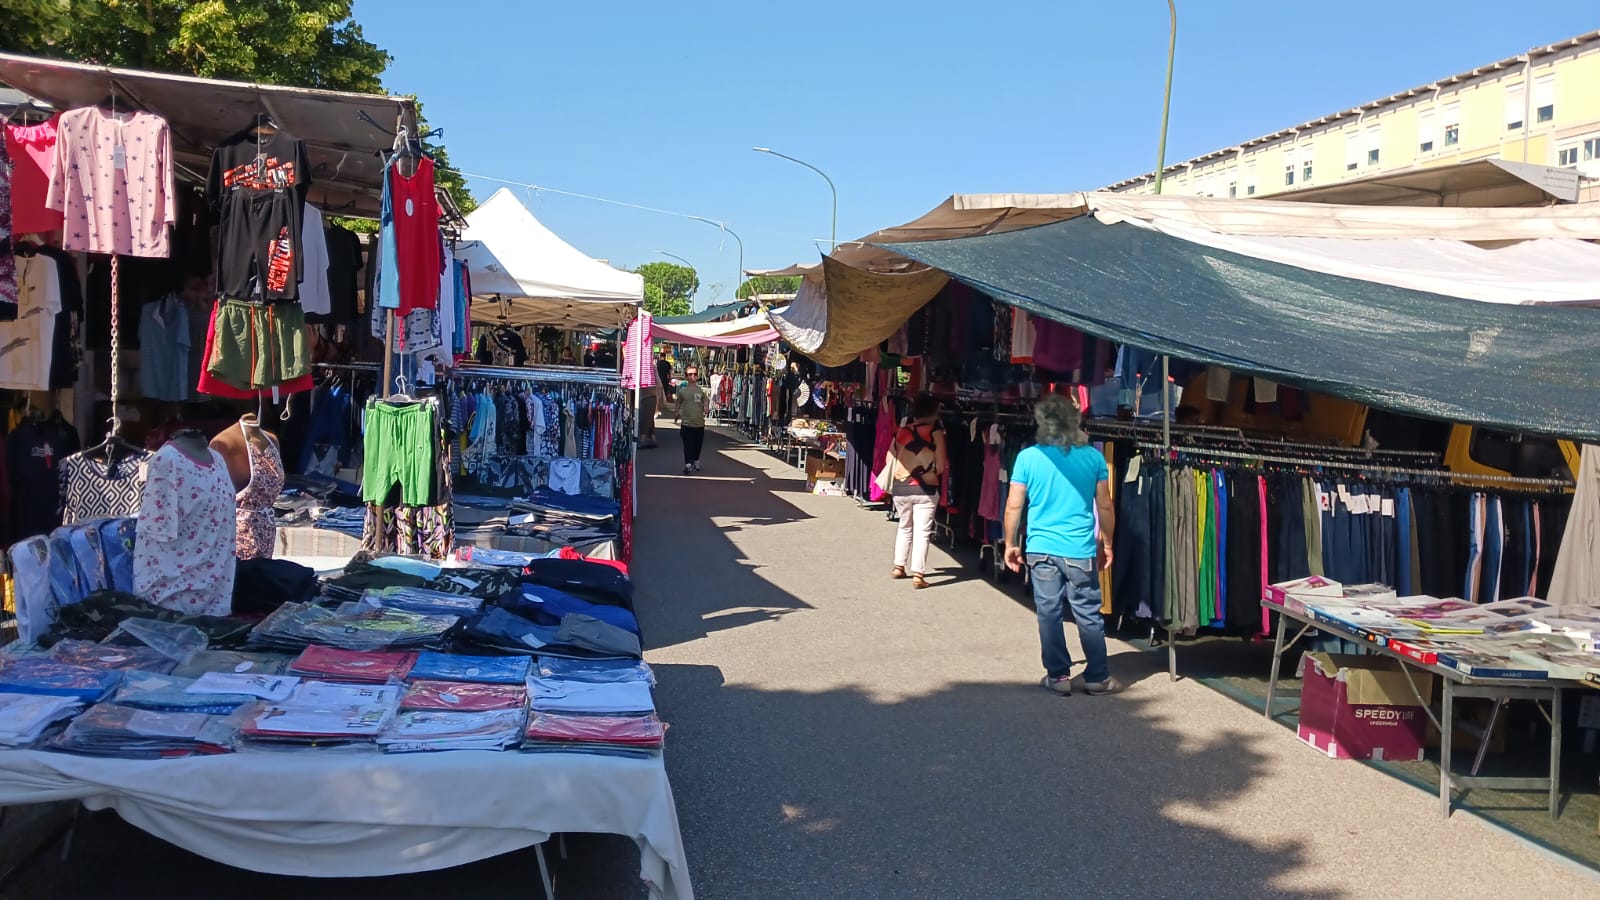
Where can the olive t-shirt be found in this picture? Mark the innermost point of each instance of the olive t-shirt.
(692, 404)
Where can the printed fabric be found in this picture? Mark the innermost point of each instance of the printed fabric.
(183, 559)
(257, 186)
(111, 180)
(257, 533)
(99, 489)
(8, 263)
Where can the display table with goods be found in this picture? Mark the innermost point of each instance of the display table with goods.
(1525, 649)
(407, 716)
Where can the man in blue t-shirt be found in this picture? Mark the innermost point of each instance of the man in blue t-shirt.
(1063, 482)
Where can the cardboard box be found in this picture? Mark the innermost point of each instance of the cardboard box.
(828, 487)
(1362, 707)
(820, 466)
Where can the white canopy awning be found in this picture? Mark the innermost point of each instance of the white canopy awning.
(524, 274)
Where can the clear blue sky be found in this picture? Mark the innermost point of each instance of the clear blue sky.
(902, 103)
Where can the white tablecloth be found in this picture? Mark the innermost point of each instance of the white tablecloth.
(332, 813)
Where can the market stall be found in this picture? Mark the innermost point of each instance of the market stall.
(168, 660)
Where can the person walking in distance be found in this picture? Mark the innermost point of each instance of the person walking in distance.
(690, 410)
(918, 459)
(1062, 482)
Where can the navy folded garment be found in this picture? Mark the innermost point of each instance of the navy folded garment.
(580, 575)
(583, 506)
(548, 605)
(500, 629)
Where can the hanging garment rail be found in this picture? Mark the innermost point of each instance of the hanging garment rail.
(1352, 466)
(540, 373)
(367, 368)
(1234, 435)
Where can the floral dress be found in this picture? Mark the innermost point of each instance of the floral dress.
(183, 555)
(258, 534)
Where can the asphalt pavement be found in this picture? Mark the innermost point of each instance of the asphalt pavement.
(835, 734)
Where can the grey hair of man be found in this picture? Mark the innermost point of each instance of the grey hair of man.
(1060, 422)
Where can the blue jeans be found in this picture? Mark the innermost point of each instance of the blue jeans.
(1058, 582)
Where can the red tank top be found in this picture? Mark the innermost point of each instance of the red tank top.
(416, 236)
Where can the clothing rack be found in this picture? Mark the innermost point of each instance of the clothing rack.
(565, 374)
(1354, 466)
(1101, 428)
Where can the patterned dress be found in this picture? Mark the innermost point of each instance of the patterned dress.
(257, 533)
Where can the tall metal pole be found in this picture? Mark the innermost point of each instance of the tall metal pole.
(1166, 101)
(833, 231)
(735, 235)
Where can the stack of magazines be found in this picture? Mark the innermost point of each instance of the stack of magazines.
(425, 729)
(24, 717)
(359, 666)
(320, 713)
(109, 729)
(37, 675)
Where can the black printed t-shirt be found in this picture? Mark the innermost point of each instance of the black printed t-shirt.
(33, 453)
(344, 268)
(257, 187)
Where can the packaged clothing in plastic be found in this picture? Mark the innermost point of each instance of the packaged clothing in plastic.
(552, 695)
(463, 696)
(109, 656)
(37, 675)
(239, 662)
(24, 717)
(635, 731)
(480, 669)
(174, 641)
(170, 693)
(549, 605)
(366, 667)
(424, 730)
(109, 729)
(595, 671)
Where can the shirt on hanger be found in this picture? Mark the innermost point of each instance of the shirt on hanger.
(315, 294)
(164, 345)
(257, 185)
(111, 178)
(25, 344)
(344, 267)
(415, 213)
(31, 149)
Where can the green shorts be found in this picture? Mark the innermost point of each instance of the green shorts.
(258, 345)
(398, 449)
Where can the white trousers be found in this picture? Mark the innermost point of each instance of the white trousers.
(916, 532)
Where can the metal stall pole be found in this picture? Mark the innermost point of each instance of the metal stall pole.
(1166, 451)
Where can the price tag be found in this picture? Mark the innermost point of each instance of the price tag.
(119, 157)
(243, 667)
(448, 697)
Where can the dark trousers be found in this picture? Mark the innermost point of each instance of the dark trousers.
(693, 440)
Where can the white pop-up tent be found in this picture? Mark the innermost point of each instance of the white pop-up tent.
(524, 274)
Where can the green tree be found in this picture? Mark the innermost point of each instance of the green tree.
(673, 286)
(657, 304)
(768, 284)
(304, 43)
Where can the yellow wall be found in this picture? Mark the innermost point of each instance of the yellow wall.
(1482, 121)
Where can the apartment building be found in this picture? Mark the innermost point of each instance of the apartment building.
(1532, 118)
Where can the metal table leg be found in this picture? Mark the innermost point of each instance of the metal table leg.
(1555, 753)
(544, 872)
(1447, 727)
(1277, 663)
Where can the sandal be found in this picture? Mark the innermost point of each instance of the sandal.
(918, 582)
(897, 573)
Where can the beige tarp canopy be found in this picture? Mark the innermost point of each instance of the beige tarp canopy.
(344, 147)
(1492, 255)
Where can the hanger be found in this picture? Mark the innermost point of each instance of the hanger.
(113, 443)
(263, 125)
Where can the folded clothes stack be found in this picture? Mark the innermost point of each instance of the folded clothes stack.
(353, 666)
(36, 675)
(461, 696)
(422, 601)
(352, 626)
(233, 661)
(629, 736)
(480, 669)
(415, 731)
(171, 693)
(109, 729)
(24, 717)
(105, 656)
(320, 714)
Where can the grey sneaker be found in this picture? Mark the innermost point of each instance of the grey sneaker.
(1062, 685)
(687, 468)
(697, 467)
(1109, 686)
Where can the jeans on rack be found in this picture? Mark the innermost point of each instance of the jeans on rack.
(1059, 583)
(915, 532)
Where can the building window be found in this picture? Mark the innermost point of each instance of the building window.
(1372, 157)
(1233, 189)
(1544, 98)
(1516, 104)
(1427, 133)
(1567, 156)
(1591, 149)
(1452, 124)
(1452, 135)
(1250, 191)
(1288, 174)
(1305, 172)
(1374, 141)
(1352, 150)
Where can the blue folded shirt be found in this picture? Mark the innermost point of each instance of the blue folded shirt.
(479, 669)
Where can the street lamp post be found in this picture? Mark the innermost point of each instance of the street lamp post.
(723, 225)
(833, 231)
(1166, 102)
(677, 257)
